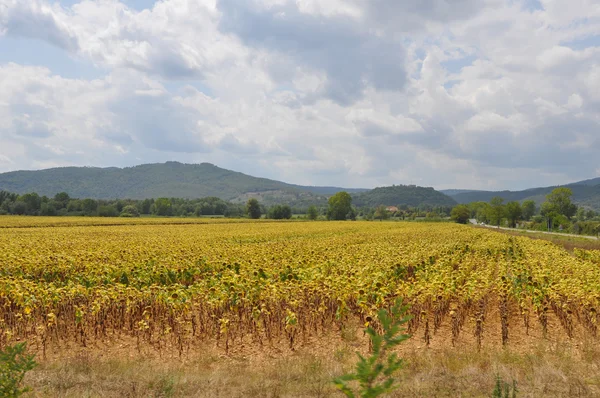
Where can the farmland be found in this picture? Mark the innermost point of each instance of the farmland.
(171, 288)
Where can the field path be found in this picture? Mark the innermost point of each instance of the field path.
(474, 222)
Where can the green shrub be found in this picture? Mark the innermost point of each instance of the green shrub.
(374, 374)
(14, 363)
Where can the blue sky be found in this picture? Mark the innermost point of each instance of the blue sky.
(483, 94)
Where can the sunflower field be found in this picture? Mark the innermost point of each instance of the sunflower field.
(171, 284)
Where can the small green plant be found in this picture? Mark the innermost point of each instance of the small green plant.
(374, 374)
(503, 389)
(14, 363)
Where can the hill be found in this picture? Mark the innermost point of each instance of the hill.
(410, 195)
(593, 181)
(189, 181)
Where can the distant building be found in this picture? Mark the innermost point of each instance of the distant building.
(392, 209)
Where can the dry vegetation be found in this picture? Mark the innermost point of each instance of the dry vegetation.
(549, 369)
(277, 309)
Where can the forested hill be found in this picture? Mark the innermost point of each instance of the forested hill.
(189, 181)
(171, 179)
(585, 193)
(410, 195)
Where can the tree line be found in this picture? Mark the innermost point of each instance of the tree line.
(62, 204)
(556, 213)
(339, 207)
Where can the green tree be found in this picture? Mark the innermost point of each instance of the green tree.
(514, 213)
(74, 205)
(312, 213)
(496, 211)
(340, 206)
(33, 202)
(280, 212)
(559, 201)
(47, 209)
(89, 206)
(107, 211)
(528, 207)
(460, 214)
(19, 207)
(253, 208)
(580, 215)
(62, 200)
(481, 212)
(162, 207)
(130, 211)
(145, 206)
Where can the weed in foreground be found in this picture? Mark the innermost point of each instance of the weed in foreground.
(503, 389)
(14, 363)
(374, 374)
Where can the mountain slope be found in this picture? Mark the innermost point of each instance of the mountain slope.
(173, 179)
(592, 181)
(170, 179)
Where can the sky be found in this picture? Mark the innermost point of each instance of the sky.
(478, 94)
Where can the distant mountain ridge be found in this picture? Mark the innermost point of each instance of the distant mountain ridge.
(174, 179)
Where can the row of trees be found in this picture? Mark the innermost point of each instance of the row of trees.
(62, 204)
(340, 207)
(556, 212)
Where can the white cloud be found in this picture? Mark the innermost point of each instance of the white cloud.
(355, 93)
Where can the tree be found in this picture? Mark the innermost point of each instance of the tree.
(253, 208)
(62, 200)
(145, 206)
(381, 213)
(312, 213)
(590, 214)
(280, 212)
(162, 207)
(559, 201)
(528, 207)
(33, 202)
(514, 212)
(496, 210)
(107, 211)
(340, 206)
(558, 209)
(18, 207)
(89, 206)
(286, 212)
(481, 212)
(460, 214)
(47, 209)
(130, 211)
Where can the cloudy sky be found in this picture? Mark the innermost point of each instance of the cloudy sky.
(487, 94)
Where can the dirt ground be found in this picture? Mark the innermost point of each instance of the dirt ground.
(549, 366)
